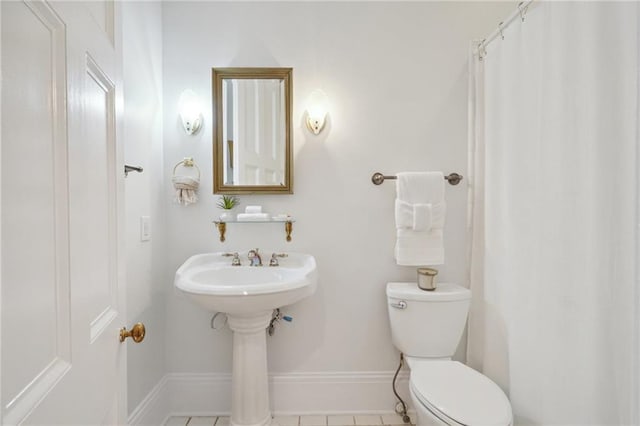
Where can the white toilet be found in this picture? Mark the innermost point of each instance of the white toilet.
(426, 327)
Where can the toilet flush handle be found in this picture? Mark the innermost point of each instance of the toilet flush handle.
(399, 305)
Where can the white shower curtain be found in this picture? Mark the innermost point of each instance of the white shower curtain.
(554, 157)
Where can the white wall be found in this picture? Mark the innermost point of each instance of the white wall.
(142, 68)
(396, 78)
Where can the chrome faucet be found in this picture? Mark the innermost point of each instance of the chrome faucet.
(254, 258)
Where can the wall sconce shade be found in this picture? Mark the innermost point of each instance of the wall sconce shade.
(190, 110)
(317, 109)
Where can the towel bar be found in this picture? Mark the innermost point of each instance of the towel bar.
(378, 178)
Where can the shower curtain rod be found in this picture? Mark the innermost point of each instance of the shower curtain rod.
(520, 12)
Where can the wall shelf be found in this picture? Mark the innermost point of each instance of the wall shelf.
(222, 226)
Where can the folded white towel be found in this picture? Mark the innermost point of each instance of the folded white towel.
(420, 213)
(252, 217)
(418, 217)
(253, 209)
(420, 187)
(186, 189)
(419, 248)
(422, 217)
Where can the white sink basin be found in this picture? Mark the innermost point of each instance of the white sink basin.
(248, 295)
(211, 281)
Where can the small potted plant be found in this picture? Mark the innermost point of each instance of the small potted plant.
(227, 203)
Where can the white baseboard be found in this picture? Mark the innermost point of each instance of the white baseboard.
(335, 392)
(185, 394)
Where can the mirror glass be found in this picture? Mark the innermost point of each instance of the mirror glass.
(252, 137)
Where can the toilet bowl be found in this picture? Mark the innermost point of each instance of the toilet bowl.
(446, 392)
(426, 327)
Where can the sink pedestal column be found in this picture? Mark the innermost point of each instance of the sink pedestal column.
(249, 382)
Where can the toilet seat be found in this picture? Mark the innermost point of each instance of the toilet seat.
(459, 395)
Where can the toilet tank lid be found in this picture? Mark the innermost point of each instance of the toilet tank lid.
(460, 393)
(444, 292)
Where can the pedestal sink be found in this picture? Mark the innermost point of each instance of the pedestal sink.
(248, 295)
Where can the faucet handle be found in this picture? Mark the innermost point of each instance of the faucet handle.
(236, 258)
(274, 258)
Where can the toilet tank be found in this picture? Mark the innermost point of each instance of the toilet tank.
(427, 324)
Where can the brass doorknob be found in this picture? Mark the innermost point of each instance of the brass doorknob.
(137, 333)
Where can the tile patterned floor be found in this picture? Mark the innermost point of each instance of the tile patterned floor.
(344, 420)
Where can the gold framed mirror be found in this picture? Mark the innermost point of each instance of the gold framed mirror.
(252, 150)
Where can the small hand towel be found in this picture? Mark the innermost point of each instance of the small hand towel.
(252, 217)
(422, 217)
(413, 216)
(253, 209)
(420, 211)
(186, 189)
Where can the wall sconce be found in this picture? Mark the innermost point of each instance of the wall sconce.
(317, 109)
(190, 110)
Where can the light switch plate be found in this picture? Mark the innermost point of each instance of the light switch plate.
(145, 228)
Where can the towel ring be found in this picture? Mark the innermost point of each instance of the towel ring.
(187, 162)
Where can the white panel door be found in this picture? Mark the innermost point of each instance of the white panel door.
(61, 189)
(259, 131)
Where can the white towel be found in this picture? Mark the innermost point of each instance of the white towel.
(252, 217)
(417, 248)
(420, 187)
(186, 188)
(419, 216)
(422, 217)
(420, 213)
(414, 216)
(253, 209)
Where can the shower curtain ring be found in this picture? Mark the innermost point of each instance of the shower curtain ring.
(500, 25)
(523, 10)
(482, 51)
